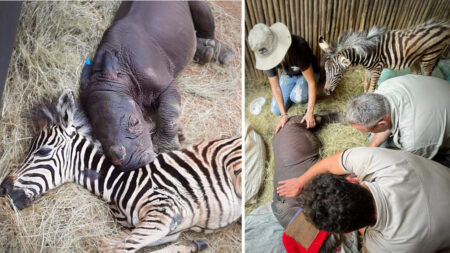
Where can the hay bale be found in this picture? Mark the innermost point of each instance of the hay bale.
(52, 42)
(334, 137)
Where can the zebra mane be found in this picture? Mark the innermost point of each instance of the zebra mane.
(360, 41)
(46, 114)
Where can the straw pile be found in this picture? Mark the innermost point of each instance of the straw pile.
(53, 40)
(334, 137)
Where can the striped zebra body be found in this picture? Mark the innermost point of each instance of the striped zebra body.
(194, 188)
(418, 47)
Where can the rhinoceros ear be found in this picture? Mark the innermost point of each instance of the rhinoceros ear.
(85, 74)
(110, 65)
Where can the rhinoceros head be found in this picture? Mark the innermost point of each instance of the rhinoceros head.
(117, 120)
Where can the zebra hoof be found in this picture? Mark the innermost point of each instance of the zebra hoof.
(201, 245)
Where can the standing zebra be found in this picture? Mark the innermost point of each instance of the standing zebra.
(421, 46)
(197, 188)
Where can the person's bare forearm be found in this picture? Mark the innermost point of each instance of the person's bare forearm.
(277, 94)
(327, 165)
(312, 88)
(292, 187)
(379, 138)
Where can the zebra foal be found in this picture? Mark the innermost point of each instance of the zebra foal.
(418, 47)
(197, 188)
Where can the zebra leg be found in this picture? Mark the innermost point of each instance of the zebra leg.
(119, 216)
(366, 80)
(415, 68)
(187, 247)
(374, 76)
(152, 230)
(428, 64)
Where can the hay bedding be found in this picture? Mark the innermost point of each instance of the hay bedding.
(53, 40)
(334, 137)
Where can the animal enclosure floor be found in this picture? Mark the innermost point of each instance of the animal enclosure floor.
(334, 137)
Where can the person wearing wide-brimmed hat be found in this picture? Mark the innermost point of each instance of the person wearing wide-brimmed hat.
(274, 48)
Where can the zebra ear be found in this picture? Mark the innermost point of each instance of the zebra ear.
(324, 45)
(344, 61)
(66, 109)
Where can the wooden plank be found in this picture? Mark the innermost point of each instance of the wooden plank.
(276, 8)
(297, 16)
(251, 13)
(327, 34)
(315, 10)
(288, 15)
(282, 12)
(258, 9)
(293, 17)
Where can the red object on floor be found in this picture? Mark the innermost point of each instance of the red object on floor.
(292, 246)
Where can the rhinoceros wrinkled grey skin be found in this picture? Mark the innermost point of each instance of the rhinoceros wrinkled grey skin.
(133, 75)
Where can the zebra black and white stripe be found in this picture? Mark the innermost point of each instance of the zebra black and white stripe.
(417, 47)
(196, 188)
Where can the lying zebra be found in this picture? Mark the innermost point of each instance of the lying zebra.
(197, 188)
(421, 46)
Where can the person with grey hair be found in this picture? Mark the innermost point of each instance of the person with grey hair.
(413, 111)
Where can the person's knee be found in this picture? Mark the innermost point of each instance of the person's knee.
(299, 94)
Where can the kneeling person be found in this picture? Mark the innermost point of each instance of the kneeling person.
(401, 204)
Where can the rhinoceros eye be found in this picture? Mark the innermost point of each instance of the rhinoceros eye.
(43, 151)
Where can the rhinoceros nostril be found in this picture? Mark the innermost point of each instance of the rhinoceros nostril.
(118, 154)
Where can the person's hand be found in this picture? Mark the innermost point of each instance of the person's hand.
(281, 123)
(310, 121)
(290, 187)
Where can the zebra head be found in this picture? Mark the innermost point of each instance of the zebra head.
(335, 65)
(47, 162)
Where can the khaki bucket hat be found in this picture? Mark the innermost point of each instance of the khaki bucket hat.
(270, 44)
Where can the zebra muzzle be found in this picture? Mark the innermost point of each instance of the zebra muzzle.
(5, 188)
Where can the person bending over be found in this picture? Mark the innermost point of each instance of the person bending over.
(411, 111)
(398, 201)
(275, 48)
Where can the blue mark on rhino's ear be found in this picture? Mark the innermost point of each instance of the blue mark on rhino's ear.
(88, 61)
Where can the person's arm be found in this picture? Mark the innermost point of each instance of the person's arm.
(293, 187)
(379, 138)
(278, 96)
(312, 91)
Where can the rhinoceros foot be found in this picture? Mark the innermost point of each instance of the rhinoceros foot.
(205, 51)
(223, 53)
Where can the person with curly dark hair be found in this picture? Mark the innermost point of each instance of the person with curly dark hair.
(399, 201)
(332, 203)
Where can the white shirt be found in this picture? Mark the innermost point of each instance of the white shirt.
(412, 198)
(420, 113)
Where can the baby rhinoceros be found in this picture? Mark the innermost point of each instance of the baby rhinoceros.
(197, 188)
(134, 73)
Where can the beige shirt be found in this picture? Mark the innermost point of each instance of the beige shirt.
(420, 113)
(412, 198)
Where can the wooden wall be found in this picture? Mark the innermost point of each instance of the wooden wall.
(312, 18)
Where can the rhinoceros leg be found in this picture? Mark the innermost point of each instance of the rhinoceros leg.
(167, 120)
(208, 48)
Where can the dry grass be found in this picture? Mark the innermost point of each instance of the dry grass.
(334, 137)
(53, 40)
